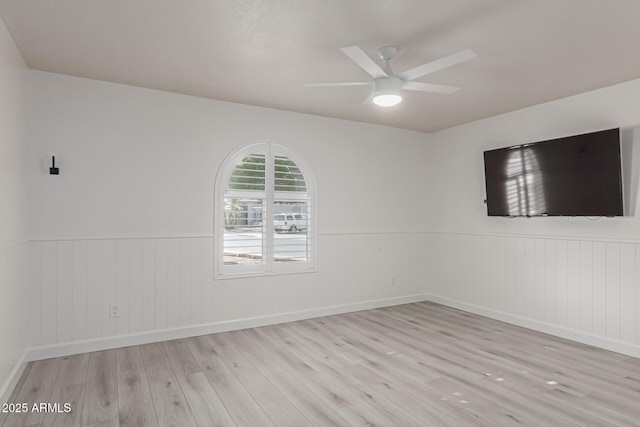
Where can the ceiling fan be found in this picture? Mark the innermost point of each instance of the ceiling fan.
(387, 86)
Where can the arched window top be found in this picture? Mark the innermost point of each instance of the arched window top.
(287, 175)
(246, 168)
(265, 221)
(250, 174)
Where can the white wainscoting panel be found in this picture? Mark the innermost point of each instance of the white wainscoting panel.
(585, 289)
(13, 317)
(588, 286)
(166, 284)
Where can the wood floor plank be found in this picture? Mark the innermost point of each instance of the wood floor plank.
(275, 333)
(134, 399)
(204, 402)
(100, 398)
(318, 328)
(260, 358)
(262, 391)
(619, 410)
(458, 324)
(259, 337)
(314, 409)
(69, 389)
(290, 362)
(317, 345)
(283, 414)
(556, 406)
(66, 394)
(160, 375)
(181, 358)
(416, 398)
(632, 364)
(241, 406)
(571, 375)
(580, 405)
(518, 404)
(484, 418)
(395, 365)
(438, 354)
(109, 423)
(470, 400)
(241, 367)
(13, 397)
(358, 415)
(319, 364)
(129, 359)
(37, 388)
(174, 411)
(413, 364)
(388, 411)
(73, 370)
(334, 395)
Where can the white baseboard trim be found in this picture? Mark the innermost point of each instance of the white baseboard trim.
(606, 343)
(67, 349)
(10, 383)
(77, 347)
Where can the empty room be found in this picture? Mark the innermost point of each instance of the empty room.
(319, 213)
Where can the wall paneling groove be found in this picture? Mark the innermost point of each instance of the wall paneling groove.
(591, 287)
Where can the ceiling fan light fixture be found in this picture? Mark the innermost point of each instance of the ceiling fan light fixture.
(388, 86)
(386, 91)
(387, 99)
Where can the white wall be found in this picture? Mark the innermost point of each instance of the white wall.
(130, 217)
(13, 304)
(571, 276)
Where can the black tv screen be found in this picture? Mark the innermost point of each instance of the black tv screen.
(573, 176)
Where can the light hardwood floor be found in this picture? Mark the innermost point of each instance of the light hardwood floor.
(419, 364)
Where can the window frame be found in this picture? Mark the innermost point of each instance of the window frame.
(269, 266)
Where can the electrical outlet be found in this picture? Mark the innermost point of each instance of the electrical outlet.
(393, 281)
(114, 310)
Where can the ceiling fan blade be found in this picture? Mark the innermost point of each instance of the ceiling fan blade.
(336, 84)
(429, 87)
(438, 64)
(362, 59)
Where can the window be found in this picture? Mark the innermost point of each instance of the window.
(264, 221)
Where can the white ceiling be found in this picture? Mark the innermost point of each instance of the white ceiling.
(261, 52)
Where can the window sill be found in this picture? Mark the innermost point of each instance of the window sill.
(247, 274)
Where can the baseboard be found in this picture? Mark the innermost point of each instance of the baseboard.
(560, 331)
(77, 347)
(67, 349)
(10, 383)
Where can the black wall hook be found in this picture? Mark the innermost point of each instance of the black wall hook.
(53, 170)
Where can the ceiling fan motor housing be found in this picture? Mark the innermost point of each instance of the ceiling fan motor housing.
(387, 85)
(386, 91)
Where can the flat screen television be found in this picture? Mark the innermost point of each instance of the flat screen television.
(574, 176)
